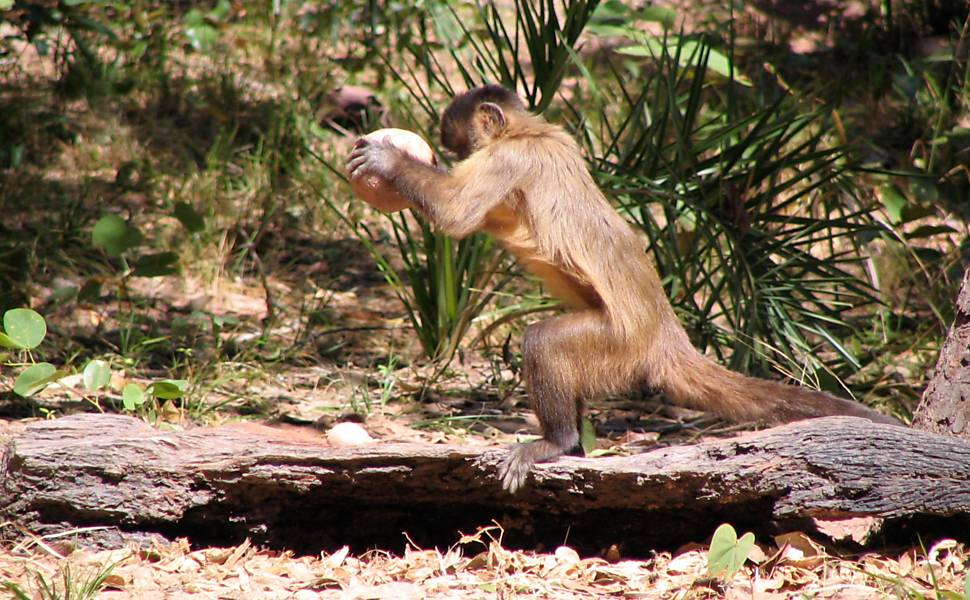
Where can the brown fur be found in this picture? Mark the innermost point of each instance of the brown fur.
(525, 182)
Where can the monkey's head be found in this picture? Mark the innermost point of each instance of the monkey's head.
(476, 117)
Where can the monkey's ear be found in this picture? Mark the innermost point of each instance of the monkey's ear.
(491, 118)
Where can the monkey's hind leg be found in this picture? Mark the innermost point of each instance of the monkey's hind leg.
(566, 359)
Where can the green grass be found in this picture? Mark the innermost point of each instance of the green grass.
(73, 585)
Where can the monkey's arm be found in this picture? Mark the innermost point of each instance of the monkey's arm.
(457, 201)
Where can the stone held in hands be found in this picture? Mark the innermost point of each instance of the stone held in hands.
(374, 189)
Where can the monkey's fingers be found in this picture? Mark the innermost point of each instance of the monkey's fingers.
(357, 151)
(356, 161)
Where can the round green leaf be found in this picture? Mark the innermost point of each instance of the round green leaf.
(24, 327)
(189, 217)
(894, 200)
(156, 265)
(112, 233)
(169, 389)
(34, 378)
(224, 320)
(132, 396)
(97, 374)
(6, 342)
(201, 34)
(90, 291)
(728, 553)
(64, 294)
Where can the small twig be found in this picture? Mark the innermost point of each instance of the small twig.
(250, 249)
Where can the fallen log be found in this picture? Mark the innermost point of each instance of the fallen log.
(109, 476)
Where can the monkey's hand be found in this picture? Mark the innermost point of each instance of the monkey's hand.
(380, 158)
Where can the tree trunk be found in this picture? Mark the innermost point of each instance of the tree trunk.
(945, 407)
(110, 478)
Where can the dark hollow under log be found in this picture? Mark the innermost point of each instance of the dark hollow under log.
(118, 478)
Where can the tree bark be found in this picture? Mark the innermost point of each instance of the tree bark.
(107, 478)
(945, 407)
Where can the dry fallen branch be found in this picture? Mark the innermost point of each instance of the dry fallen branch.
(119, 477)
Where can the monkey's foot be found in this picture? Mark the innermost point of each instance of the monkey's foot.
(514, 470)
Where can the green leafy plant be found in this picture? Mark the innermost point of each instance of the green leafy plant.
(24, 330)
(135, 398)
(73, 586)
(110, 40)
(360, 395)
(117, 237)
(728, 553)
(202, 28)
(752, 218)
(388, 380)
(619, 21)
(935, 90)
(445, 284)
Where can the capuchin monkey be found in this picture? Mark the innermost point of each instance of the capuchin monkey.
(525, 182)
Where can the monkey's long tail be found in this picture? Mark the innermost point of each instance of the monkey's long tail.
(699, 382)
